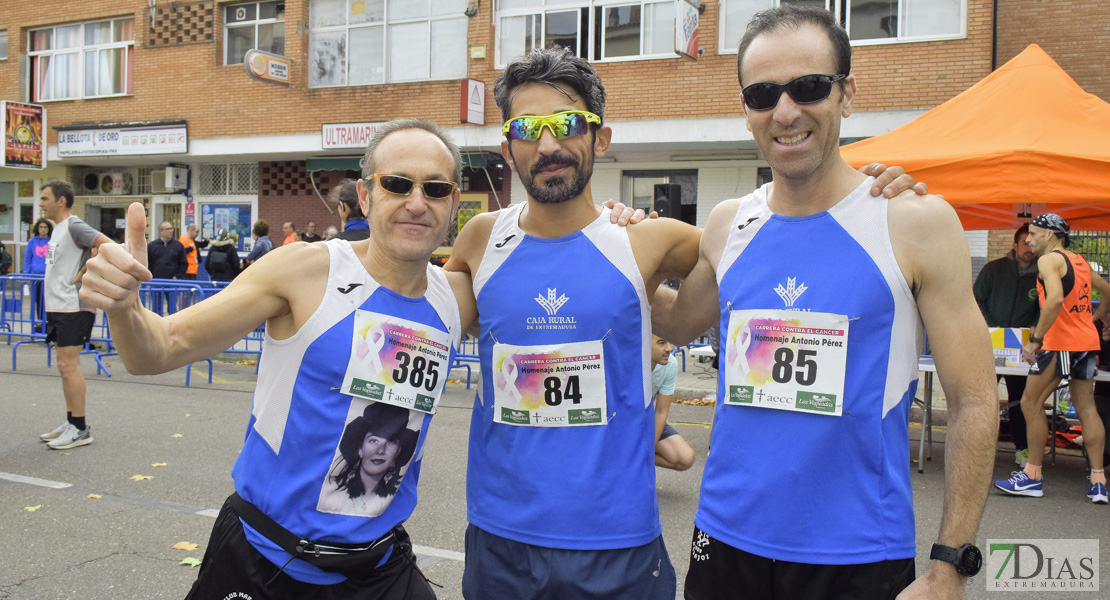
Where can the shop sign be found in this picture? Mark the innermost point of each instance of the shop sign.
(348, 135)
(23, 144)
(124, 140)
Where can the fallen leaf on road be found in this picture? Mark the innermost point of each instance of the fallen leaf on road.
(32, 508)
(141, 477)
(177, 435)
(188, 415)
(188, 547)
(189, 561)
(157, 464)
(95, 496)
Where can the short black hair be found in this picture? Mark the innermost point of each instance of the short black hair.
(61, 189)
(556, 65)
(789, 16)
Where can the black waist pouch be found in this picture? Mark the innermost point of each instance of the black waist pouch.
(350, 560)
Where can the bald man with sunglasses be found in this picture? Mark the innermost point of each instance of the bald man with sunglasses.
(333, 312)
(821, 294)
(561, 477)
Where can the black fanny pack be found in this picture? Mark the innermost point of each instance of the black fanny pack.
(350, 560)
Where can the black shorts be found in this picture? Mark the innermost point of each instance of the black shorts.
(668, 431)
(719, 572)
(69, 328)
(233, 568)
(498, 568)
(1079, 366)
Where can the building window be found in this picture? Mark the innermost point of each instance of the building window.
(867, 21)
(228, 179)
(597, 30)
(82, 60)
(255, 25)
(3, 45)
(368, 42)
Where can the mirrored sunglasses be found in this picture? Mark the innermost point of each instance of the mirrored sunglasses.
(562, 125)
(402, 186)
(806, 89)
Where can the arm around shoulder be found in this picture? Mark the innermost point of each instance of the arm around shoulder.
(683, 316)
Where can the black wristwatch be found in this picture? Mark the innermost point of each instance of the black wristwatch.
(967, 558)
(1036, 340)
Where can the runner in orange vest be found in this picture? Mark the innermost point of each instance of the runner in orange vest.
(1064, 343)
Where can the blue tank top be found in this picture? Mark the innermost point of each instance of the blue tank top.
(806, 487)
(585, 487)
(299, 417)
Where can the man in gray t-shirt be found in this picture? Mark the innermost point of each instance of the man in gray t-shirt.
(69, 321)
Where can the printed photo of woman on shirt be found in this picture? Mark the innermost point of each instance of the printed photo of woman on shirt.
(370, 462)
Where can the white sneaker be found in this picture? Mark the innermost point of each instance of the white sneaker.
(71, 438)
(1021, 457)
(53, 435)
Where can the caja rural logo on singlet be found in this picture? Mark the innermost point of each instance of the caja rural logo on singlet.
(791, 292)
(551, 305)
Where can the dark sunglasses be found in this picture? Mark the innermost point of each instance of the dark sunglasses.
(806, 89)
(562, 125)
(402, 186)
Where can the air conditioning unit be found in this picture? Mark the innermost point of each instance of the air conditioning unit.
(116, 184)
(168, 179)
(90, 185)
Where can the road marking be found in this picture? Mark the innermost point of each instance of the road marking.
(46, 483)
(419, 550)
(439, 553)
(207, 512)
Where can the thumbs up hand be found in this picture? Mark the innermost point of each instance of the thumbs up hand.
(111, 282)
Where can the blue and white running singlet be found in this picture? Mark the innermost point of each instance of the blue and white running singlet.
(335, 467)
(562, 432)
(810, 453)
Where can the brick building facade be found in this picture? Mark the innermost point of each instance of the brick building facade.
(256, 150)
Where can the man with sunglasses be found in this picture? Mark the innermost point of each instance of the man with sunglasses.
(821, 348)
(561, 480)
(348, 325)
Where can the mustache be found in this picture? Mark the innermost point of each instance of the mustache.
(553, 160)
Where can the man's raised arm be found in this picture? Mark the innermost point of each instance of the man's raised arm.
(149, 343)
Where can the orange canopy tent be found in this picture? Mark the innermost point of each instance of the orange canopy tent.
(1024, 140)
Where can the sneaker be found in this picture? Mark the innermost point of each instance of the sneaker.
(1097, 493)
(71, 438)
(1021, 485)
(1021, 457)
(53, 435)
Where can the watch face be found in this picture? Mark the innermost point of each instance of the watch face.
(970, 560)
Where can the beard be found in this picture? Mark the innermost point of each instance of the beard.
(558, 189)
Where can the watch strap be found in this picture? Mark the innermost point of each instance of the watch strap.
(944, 553)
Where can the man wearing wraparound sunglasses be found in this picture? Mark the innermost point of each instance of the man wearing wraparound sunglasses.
(561, 478)
(821, 348)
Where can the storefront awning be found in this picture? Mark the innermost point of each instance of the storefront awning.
(473, 160)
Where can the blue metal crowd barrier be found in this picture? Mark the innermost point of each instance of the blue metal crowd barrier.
(467, 353)
(21, 317)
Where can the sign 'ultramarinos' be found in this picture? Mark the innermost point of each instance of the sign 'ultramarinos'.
(347, 135)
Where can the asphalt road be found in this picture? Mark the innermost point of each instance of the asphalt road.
(120, 545)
